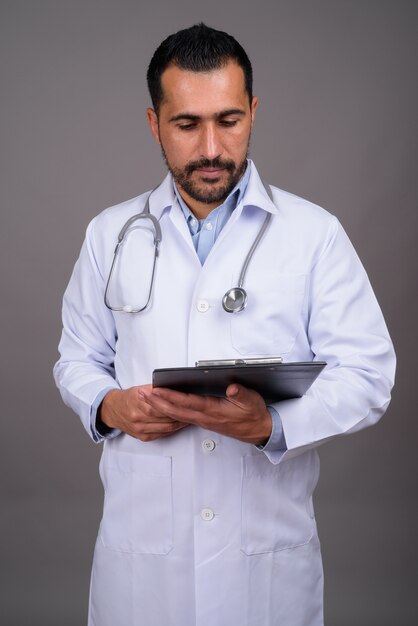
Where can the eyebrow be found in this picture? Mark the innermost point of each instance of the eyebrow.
(195, 118)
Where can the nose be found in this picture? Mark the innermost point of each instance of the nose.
(210, 145)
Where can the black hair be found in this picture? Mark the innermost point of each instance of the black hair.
(197, 49)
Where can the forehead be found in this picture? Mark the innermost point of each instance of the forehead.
(203, 92)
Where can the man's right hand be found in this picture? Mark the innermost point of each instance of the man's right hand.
(127, 410)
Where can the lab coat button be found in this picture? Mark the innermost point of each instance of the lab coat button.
(202, 306)
(208, 445)
(207, 515)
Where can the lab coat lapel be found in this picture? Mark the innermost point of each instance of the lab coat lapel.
(163, 201)
(256, 195)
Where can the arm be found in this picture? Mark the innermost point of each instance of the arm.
(85, 372)
(346, 329)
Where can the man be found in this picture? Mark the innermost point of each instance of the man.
(208, 516)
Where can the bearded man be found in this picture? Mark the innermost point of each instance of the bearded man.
(208, 516)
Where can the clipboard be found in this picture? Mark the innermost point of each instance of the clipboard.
(274, 382)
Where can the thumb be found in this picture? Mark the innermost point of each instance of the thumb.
(235, 391)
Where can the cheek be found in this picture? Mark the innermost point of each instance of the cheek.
(177, 149)
(239, 147)
(239, 140)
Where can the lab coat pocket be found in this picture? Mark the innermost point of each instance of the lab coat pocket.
(273, 317)
(137, 514)
(277, 511)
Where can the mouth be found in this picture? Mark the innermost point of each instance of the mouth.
(210, 172)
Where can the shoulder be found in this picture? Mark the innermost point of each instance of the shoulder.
(103, 230)
(115, 216)
(302, 217)
(295, 207)
(291, 212)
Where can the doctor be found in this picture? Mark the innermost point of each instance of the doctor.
(208, 516)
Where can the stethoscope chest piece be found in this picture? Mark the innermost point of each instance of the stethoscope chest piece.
(235, 300)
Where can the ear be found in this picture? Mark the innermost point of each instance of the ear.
(153, 124)
(254, 105)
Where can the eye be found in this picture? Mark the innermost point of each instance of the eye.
(189, 126)
(228, 123)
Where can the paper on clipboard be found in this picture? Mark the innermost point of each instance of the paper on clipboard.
(274, 382)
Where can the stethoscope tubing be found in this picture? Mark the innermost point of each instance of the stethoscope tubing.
(253, 248)
(145, 214)
(234, 300)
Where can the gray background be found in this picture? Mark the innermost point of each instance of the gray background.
(337, 123)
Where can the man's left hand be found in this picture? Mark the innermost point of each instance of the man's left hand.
(241, 414)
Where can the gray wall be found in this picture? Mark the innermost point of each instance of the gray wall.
(337, 124)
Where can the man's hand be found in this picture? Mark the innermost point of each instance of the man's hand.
(129, 411)
(242, 414)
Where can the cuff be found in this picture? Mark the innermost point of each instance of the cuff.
(99, 430)
(277, 441)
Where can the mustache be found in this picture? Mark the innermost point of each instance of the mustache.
(203, 163)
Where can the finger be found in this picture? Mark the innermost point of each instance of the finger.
(155, 436)
(236, 393)
(151, 409)
(234, 390)
(146, 412)
(189, 400)
(242, 396)
(185, 407)
(148, 428)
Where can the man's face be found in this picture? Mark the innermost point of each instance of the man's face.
(204, 127)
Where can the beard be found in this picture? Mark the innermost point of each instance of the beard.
(208, 190)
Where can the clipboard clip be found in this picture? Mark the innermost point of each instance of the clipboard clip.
(270, 360)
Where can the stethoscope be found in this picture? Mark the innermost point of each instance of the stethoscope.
(235, 299)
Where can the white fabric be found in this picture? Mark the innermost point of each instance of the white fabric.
(160, 559)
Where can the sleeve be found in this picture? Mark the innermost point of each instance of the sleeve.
(98, 429)
(276, 441)
(346, 329)
(85, 371)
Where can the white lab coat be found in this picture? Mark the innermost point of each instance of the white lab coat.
(201, 529)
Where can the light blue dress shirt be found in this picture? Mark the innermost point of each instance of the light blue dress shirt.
(204, 234)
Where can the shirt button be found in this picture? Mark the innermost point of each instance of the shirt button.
(207, 514)
(208, 445)
(209, 226)
(202, 306)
